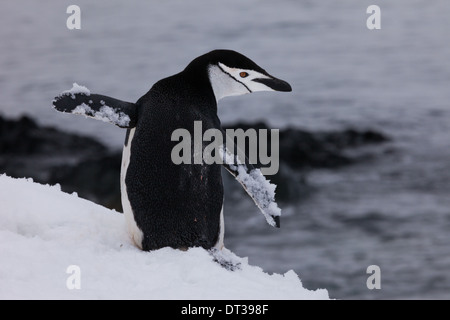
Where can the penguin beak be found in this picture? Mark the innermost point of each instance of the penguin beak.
(275, 84)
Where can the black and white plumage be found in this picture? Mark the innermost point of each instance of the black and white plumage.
(165, 204)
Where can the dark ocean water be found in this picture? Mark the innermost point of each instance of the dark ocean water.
(392, 210)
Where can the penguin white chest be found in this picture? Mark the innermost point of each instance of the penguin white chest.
(133, 230)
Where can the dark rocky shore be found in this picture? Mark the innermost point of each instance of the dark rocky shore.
(83, 165)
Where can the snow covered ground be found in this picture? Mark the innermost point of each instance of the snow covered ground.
(44, 231)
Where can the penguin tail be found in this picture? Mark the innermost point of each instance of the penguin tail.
(80, 101)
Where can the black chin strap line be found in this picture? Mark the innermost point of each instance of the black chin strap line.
(250, 91)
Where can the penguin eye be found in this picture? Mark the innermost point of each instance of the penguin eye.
(244, 74)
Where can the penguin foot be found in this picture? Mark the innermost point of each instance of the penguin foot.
(225, 260)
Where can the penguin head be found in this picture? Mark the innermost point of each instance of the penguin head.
(231, 73)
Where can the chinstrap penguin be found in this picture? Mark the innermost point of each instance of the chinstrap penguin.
(165, 204)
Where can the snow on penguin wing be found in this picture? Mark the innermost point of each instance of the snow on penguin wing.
(79, 100)
(255, 184)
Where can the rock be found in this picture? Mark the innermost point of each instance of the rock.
(29, 150)
(303, 150)
(25, 137)
(83, 165)
(96, 179)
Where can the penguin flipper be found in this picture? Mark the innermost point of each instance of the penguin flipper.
(256, 185)
(120, 113)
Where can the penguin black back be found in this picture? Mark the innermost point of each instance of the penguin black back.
(175, 205)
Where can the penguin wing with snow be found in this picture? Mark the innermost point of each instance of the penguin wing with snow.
(80, 101)
(256, 185)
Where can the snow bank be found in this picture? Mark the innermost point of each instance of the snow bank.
(43, 231)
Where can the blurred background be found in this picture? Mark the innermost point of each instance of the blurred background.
(365, 150)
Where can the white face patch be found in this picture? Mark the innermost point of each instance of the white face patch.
(228, 81)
